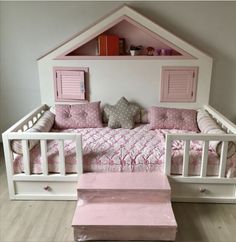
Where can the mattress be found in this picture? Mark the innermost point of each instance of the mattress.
(123, 150)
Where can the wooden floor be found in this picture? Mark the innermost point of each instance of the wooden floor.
(49, 221)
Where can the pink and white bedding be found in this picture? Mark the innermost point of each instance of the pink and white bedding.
(123, 150)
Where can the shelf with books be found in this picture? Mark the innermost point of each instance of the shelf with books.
(117, 42)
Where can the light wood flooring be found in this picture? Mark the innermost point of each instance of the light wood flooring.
(49, 221)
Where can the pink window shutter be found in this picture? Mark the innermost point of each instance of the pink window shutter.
(178, 84)
(70, 85)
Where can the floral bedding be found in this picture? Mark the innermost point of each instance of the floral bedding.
(123, 150)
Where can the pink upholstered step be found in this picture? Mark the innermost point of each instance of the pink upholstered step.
(124, 206)
(124, 187)
(124, 221)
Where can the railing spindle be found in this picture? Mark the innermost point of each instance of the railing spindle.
(61, 156)
(79, 155)
(167, 167)
(186, 158)
(26, 156)
(204, 158)
(223, 158)
(44, 158)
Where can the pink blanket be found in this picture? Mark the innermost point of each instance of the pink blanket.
(123, 150)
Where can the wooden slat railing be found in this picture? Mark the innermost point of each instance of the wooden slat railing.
(43, 138)
(206, 138)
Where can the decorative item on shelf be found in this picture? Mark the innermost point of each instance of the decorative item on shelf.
(135, 50)
(150, 51)
(164, 52)
(108, 45)
(168, 51)
(158, 51)
(122, 46)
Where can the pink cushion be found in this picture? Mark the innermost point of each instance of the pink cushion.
(173, 118)
(86, 115)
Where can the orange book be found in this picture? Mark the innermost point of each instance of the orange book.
(108, 45)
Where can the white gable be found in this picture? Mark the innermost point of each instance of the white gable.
(114, 18)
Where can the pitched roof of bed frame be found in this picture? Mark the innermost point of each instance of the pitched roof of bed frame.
(133, 17)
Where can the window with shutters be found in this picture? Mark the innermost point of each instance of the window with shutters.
(179, 84)
(69, 84)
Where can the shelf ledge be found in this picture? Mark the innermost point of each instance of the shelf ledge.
(125, 57)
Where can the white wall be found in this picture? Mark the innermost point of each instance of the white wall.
(30, 29)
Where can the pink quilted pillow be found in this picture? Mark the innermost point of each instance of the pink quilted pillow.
(173, 118)
(86, 115)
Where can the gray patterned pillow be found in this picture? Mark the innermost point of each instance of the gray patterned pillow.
(137, 119)
(122, 114)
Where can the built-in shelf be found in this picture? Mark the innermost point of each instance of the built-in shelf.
(132, 33)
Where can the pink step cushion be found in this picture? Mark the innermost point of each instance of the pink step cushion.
(173, 118)
(124, 181)
(124, 214)
(86, 115)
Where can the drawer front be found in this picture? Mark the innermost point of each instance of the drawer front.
(202, 190)
(45, 188)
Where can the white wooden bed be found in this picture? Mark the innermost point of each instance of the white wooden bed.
(62, 186)
(140, 79)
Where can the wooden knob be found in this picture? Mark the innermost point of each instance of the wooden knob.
(46, 188)
(202, 190)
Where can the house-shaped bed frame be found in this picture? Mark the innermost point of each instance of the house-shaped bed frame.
(145, 79)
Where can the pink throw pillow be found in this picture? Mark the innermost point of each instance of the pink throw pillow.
(173, 118)
(86, 115)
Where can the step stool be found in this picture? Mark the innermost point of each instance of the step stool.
(124, 206)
